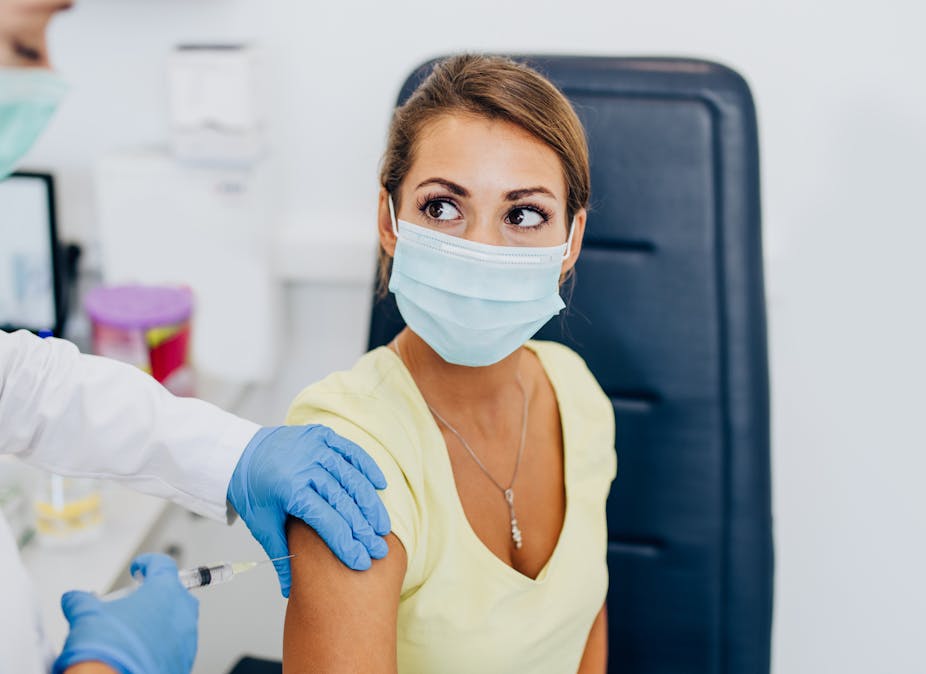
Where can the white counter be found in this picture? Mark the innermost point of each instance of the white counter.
(95, 566)
(130, 519)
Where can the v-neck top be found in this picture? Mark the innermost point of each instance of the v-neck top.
(461, 608)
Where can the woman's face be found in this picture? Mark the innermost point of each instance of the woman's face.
(22, 31)
(487, 181)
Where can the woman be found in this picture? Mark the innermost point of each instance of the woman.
(499, 452)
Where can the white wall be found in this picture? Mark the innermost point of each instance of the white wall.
(841, 100)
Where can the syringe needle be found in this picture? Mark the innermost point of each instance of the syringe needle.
(201, 576)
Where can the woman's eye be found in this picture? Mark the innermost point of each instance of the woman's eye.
(441, 210)
(525, 217)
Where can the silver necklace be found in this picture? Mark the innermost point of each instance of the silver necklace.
(508, 492)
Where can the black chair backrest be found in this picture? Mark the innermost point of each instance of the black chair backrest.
(668, 310)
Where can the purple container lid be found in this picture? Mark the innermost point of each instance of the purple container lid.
(139, 307)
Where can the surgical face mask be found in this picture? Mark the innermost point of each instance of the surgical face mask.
(473, 303)
(28, 99)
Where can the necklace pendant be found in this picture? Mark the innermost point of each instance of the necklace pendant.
(515, 529)
(515, 533)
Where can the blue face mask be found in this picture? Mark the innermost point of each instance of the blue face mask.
(28, 99)
(473, 303)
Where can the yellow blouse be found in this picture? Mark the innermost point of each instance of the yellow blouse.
(461, 608)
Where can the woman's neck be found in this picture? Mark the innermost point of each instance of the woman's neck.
(447, 386)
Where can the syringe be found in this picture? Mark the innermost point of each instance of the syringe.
(200, 576)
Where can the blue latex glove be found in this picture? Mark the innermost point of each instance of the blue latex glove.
(151, 631)
(312, 473)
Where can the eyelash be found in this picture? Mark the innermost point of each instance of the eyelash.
(425, 201)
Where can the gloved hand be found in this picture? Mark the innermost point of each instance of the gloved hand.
(325, 480)
(151, 631)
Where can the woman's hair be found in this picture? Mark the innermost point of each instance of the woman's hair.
(492, 87)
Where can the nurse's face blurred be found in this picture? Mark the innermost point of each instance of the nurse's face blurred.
(22, 31)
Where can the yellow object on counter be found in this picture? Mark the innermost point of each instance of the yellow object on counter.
(68, 510)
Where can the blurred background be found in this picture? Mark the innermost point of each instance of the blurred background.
(841, 104)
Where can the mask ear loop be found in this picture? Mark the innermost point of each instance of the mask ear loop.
(392, 218)
(572, 230)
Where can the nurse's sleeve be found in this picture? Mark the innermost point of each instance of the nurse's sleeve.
(87, 416)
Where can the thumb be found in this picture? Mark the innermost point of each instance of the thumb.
(152, 565)
(284, 574)
(275, 546)
(76, 605)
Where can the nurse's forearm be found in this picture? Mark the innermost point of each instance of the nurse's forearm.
(89, 416)
(90, 668)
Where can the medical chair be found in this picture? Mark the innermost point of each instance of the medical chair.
(668, 310)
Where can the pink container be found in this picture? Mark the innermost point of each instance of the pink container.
(146, 326)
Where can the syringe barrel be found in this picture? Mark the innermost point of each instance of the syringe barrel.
(200, 576)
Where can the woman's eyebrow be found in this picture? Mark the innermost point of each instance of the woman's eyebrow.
(450, 185)
(461, 191)
(514, 195)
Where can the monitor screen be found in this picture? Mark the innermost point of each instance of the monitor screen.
(27, 253)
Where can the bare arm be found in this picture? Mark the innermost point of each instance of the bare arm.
(339, 620)
(595, 658)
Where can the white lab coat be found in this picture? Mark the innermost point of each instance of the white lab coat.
(88, 416)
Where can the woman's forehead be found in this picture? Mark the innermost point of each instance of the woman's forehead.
(482, 153)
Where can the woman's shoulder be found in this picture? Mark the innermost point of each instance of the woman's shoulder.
(376, 395)
(370, 376)
(570, 372)
(585, 408)
(376, 406)
(377, 385)
(556, 353)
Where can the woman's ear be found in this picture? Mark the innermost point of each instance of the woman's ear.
(384, 224)
(577, 235)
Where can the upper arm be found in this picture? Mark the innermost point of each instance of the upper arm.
(361, 420)
(339, 620)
